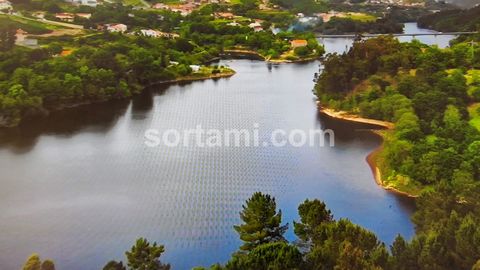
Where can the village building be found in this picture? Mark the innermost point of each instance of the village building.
(39, 14)
(22, 39)
(90, 3)
(225, 15)
(116, 28)
(65, 17)
(158, 34)
(256, 26)
(84, 15)
(297, 43)
(5, 5)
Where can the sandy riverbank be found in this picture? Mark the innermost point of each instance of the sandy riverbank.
(354, 118)
(372, 157)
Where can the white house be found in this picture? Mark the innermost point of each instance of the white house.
(116, 28)
(90, 3)
(158, 34)
(256, 26)
(5, 5)
(195, 68)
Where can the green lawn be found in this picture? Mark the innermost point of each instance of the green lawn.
(363, 17)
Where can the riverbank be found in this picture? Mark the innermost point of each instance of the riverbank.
(354, 118)
(372, 158)
(243, 53)
(9, 122)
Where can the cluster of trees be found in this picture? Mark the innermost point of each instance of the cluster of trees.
(348, 25)
(424, 91)
(34, 263)
(202, 28)
(452, 20)
(448, 238)
(105, 66)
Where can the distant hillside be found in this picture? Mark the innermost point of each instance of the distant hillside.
(452, 20)
(464, 3)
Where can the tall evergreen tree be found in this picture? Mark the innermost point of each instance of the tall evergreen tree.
(262, 222)
(146, 256)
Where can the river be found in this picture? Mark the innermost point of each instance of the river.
(81, 185)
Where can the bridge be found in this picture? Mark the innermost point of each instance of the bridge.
(397, 35)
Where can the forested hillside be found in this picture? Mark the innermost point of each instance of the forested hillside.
(432, 96)
(452, 20)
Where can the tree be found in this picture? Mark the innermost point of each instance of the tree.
(33, 263)
(408, 127)
(270, 256)
(261, 222)
(114, 265)
(146, 256)
(312, 214)
(351, 258)
(48, 265)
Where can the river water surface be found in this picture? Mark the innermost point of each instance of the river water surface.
(80, 186)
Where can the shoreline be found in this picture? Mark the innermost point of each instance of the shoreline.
(343, 115)
(371, 157)
(252, 53)
(46, 112)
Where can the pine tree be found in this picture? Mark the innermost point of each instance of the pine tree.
(146, 256)
(261, 222)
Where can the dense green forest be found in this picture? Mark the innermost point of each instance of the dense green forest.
(100, 67)
(448, 238)
(432, 96)
(428, 92)
(452, 20)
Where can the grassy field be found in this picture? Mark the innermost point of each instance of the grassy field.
(363, 17)
(31, 26)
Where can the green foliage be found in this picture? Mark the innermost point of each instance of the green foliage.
(48, 265)
(114, 265)
(7, 37)
(312, 215)
(424, 91)
(452, 20)
(270, 256)
(262, 222)
(34, 263)
(302, 51)
(145, 256)
(353, 25)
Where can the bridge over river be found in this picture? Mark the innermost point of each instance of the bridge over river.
(396, 35)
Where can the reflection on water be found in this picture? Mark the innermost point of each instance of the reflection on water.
(80, 186)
